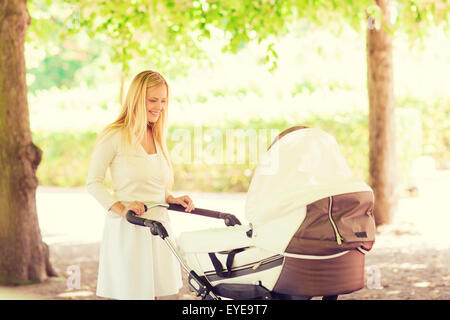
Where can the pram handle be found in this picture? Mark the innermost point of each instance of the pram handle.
(156, 228)
(229, 219)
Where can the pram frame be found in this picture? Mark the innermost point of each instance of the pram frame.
(200, 285)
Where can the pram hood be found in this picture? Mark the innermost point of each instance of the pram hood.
(302, 166)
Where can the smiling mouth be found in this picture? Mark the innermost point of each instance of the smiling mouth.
(154, 113)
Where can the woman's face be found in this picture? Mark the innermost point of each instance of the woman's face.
(156, 98)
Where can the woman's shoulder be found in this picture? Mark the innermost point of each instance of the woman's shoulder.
(112, 136)
(118, 140)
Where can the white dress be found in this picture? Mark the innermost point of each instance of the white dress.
(133, 264)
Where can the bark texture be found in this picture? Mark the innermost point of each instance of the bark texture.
(382, 166)
(24, 257)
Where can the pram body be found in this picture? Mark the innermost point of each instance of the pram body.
(310, 226)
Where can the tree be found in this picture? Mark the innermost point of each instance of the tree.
(23, 255)
(382, 142)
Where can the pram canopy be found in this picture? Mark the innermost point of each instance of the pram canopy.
(302, 166)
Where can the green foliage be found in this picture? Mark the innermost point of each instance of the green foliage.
(301, 87)
(422, 129)
(54, 71)
(144, 31)
(207, 95)
(415, 17)
(166, 34)
(311, 86)
(66, 156)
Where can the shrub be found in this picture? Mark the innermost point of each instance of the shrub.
(420, 130)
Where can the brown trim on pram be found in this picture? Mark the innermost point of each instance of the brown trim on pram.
(310, 277)
(285, 132)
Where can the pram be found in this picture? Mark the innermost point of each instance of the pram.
(310, 225)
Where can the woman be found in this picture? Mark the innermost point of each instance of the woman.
(134, 264)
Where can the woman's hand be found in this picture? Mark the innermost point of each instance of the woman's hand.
(185, 201)
(136, 206)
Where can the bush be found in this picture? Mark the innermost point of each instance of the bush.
(66, 157)
(221, 168)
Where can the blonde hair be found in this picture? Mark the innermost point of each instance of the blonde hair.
(133, 119)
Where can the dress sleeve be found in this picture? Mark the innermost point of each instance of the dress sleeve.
(168, 193)
(104, 153)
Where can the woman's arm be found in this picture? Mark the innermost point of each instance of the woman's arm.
(102, 156)
(137, 206)
(169, 196)
(119, 208)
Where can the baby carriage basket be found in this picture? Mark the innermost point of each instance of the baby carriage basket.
(310, 225)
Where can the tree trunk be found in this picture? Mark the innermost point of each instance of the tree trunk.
(383, 167)
(24, 258)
